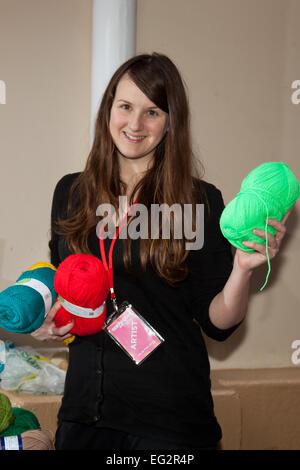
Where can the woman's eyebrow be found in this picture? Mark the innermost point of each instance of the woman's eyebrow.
(128, 102)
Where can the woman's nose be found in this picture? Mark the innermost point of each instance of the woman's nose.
(136, 122)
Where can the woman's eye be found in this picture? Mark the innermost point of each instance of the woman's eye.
(125, 106)
(152, 112)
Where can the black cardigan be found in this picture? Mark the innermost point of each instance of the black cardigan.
(168, 396)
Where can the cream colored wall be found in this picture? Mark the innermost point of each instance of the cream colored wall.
(45, 54)
(239, 59)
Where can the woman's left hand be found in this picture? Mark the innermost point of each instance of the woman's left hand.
(249, 261)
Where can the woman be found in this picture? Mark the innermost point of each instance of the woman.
(142, 149)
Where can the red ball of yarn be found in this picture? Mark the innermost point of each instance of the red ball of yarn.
(83, 281)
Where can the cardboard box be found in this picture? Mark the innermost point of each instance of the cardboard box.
(45, 408)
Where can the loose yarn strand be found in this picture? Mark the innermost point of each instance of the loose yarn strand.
(267, 248)
(266, 232)
(267, 253)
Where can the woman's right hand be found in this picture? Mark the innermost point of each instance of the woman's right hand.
(49, 332)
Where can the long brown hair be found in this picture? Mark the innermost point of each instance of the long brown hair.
(168, 181)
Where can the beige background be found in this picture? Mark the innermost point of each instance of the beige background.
(238, 58)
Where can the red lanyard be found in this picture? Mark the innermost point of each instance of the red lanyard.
(109, 266)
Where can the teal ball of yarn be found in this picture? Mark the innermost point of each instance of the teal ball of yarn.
(268, 192)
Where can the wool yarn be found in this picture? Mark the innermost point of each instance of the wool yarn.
(7, 416)
(81, 282)
(28, 440)
(267, 192)
(36, 439)
(24, 420)
(23, 425)
(23, 305)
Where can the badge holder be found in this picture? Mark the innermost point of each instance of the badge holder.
(136, 337)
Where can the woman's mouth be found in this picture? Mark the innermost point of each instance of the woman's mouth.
(135, 139)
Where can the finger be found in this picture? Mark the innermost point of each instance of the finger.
(261, 248)
(255, 246)
(274, 222)
(272, 241)
(53, 311)
(60, 338)
(287, 215)
(62, 330)
(66, 337)
(280, 229)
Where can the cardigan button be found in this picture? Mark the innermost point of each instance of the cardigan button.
(96, 418)
(98, 371)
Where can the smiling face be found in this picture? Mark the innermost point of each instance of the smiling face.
(136, 124)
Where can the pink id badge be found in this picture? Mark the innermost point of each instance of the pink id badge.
(133, 333)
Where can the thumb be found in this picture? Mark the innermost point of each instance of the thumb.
(52, 312)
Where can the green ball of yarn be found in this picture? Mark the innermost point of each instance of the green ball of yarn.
(7, 416)
(268, 192)
(25, 420)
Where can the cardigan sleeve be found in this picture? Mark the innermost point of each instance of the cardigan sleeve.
(59, 209)
(210, 267)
